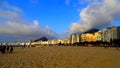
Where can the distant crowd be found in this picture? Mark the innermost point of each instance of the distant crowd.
(4, 49)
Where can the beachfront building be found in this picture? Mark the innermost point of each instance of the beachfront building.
(83, 37)
(98, 36)
(40, 43)
(66, 41)
(109, 34)
(88, 37)
(60, 41)
(115, 32)
(74, 38)
(52, 42)
(105, 35)
(118, 32)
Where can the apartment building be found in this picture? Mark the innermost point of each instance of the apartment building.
(110, 33)
(74, 38)
(66, 41)
(115, 31)
(98, 36)
(88, 37)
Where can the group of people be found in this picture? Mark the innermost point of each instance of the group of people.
(4, 49)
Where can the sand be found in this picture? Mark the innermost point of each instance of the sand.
(61, 57)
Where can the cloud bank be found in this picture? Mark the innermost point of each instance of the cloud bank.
(98, 14)
(13, 25)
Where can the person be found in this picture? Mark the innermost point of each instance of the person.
(11, 49)
(7, 48)
(2, 49)
(24, 45)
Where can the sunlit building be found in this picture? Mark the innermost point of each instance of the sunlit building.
(60, 41)
(83, 37)
(50, 41)
(115, 31)
(88, 37)
(98, 36)
(66, 41)
(74, 38)
(109, 34)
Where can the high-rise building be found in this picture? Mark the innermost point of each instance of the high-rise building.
(74, 39)
(98, 36)
(106, 35)
(111, 33)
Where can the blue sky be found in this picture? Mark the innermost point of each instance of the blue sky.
(30, 19)
(55, 14)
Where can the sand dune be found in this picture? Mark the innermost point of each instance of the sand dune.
(61, 57)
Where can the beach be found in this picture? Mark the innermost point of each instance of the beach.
(61, 57)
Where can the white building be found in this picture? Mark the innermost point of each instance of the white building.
(74, 38)
(110, 33)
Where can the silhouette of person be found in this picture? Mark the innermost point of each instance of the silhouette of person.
(24, 45)
(7, 48)
(2, 49)
(11, 49)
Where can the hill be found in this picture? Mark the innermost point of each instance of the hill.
(92, 31)
(41, 39)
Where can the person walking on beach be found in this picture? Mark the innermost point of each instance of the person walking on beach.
(7, 48)
(2, 49)
(11, 49)
(24, 45)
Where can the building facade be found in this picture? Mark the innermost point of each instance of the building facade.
(89, 37)
(109, 34)
(74, 39)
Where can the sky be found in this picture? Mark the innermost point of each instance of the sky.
(31, 19)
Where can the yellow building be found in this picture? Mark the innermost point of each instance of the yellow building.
(98, 36)
(52, 42)
(88, 37)
(66, 41)
(83, 37)
(60, 41)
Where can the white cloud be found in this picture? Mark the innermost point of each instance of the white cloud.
(88, 1)
(10, 13)
(97, 15)
(13, 25)
(36, 24)
(25, 29)
(6, 6)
